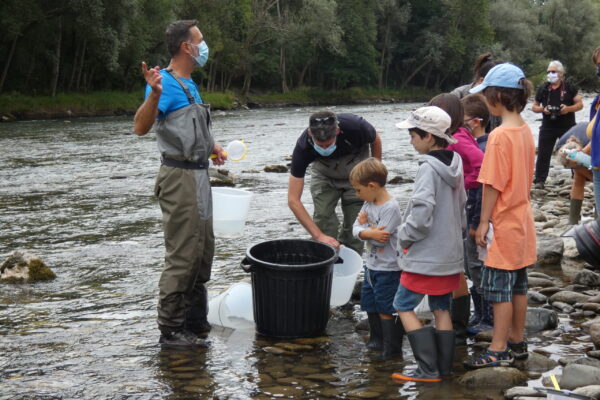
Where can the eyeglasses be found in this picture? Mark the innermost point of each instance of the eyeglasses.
(473, 118)
(321, 120)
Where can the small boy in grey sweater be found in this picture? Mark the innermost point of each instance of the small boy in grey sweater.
(377, 224)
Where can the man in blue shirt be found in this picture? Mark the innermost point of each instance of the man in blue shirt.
(174, 106)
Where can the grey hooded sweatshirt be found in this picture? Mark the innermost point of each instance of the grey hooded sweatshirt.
(435, 218)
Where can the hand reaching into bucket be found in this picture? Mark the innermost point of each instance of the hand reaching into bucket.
(323, 238)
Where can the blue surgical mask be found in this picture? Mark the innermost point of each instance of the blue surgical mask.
(202, 56)
(324, 152)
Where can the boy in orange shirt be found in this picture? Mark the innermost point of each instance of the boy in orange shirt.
(506, 173)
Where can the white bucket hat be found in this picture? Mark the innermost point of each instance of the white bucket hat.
(430, 119)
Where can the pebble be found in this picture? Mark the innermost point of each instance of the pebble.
(281, 391)
(276, 168)
(519, 391)
(549, 291)
(294, 346)
(312, 341)
(277, 350)
(500, 377)
(569, 297)
(360, 394)
(564, 307)
(591, 307)
(594, 354)
(323, 377)
(536, 298)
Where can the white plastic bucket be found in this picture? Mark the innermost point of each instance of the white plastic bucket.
(344, 276)
(233, 307)
(230, 210)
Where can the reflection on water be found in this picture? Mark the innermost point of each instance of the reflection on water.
(79, 194)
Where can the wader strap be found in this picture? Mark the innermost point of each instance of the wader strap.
(184, 164)
(183, 85)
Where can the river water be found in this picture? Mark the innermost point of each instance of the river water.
(79, 194)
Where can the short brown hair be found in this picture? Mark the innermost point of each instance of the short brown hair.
(595, 54)
(178, 32)
(451, 104)
(369, 170)
(474, 106)
(440, 142)
(510, 98)
(323, 125)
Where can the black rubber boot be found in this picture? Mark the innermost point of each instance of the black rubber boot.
(477, 311)
(459, 312)
(444, 341)
(575, 211)
(424, 347)
(393, 332)
(195, 317)
(375, 335)
(180, 338)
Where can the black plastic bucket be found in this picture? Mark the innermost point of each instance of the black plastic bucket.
(587, 238)
(291, 286)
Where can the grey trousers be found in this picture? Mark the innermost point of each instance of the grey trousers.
(190, 246)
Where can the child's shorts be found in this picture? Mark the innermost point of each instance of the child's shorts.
(407, 300)
(378, 290)
(499, 285)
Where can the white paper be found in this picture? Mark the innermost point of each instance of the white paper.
(482, 251)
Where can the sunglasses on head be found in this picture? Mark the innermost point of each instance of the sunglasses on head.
(321, 120)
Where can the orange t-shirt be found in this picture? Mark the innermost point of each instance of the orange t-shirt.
(508, 167)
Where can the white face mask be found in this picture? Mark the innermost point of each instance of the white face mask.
(553, 77)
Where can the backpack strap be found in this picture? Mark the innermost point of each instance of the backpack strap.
(183, 85)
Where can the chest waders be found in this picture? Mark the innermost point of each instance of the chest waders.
(329, 184)
(183, 190)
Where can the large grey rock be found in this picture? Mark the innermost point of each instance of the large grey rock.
(540, 319)
(533, 281)
(534, 297)
(587, 278)
(569, 297)
(497, 377)
(592, 391)
(549, 250)
(538, 363)
(595, 334)
(575, 375)
(564, 307)
(591, 362)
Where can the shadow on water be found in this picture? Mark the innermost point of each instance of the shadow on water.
(80, 195)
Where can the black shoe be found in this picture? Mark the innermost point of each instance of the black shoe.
(393, 332)
(199, 327)
(195, 316)
(181, 338)
(424, 347)
(539, 185)
(445, 350)
(459, 312)
(375, 335)
(518, 350)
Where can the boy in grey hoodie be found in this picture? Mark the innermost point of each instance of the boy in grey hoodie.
(430, 240)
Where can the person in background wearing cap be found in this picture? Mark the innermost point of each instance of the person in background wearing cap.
(506, 175)
(558, 101)
(430, 236)
(333, 144)
(185, 142)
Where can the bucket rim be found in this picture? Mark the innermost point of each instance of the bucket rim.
(278, 266)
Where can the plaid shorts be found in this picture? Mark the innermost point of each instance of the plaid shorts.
(499, 285)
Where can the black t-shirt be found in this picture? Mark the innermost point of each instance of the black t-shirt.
(355, 132)
(564, 94)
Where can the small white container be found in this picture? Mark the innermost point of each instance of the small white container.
(230, 210)
(344, 276)
(233, 307)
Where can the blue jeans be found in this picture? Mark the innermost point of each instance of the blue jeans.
(407, 300)
(596, 173)
(378, 291)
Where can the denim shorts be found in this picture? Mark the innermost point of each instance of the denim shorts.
(378, 290)
(499, 285)
(407, 300)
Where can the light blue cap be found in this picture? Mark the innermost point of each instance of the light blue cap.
(502, 75)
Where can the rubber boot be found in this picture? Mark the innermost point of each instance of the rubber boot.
(177, 337)
(375, 335)
(459, 312)
(393, 332)
(575, 211)
(488, 313)
(444, 341)
(195, 317)
(477, 314)
(424, 347)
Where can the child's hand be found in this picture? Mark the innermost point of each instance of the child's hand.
(362, 218)
(379, 235)
(472, 233)
(480, 234)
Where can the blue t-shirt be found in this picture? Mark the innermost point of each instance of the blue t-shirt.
(173, 96)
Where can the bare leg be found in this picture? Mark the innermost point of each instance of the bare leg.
(409, 320)
(443, 322)
(503, 317)
(463, 289)
(519, 302)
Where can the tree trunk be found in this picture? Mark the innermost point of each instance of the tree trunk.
(284, 86)
(56, 61)
(74, 66)
(80, 65)
(382, 62)
(247, 82)
(11, 52)
(415, 72)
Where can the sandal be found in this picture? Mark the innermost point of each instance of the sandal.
(519, 350)
(484, 360)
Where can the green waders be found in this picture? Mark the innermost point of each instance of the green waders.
(183, 190)
(329, 184)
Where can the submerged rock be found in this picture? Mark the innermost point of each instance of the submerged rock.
(22, 267)
(498, 377)
(276, 168)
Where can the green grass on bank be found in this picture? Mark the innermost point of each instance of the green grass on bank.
(23, 107)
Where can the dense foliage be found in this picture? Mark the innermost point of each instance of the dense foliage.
(54, 46)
